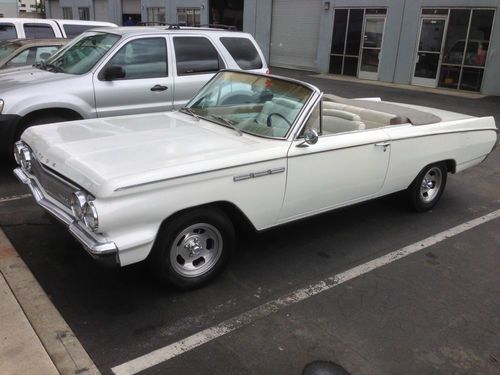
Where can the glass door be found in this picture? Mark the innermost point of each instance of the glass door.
(429, 50)
(373, 31)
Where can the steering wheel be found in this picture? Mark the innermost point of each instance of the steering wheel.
(279, 115)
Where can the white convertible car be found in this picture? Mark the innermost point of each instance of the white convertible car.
(168, 187)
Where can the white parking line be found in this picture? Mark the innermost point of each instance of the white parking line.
(14, 198)
(173, 350)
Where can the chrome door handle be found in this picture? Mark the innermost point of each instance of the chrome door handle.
(159, 88)
(383, 144)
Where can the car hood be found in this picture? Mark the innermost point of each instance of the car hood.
(107, 155)
(26, 77)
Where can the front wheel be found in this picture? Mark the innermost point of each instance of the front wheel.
(428, 186)
(193, 247)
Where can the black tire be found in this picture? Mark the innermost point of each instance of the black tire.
(174, 249)
(423, 198)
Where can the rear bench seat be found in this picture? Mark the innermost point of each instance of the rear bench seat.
(370, 118)
(336, 121)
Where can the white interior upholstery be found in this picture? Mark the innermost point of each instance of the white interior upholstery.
(371, 118)
(285, 107)
(337, 121)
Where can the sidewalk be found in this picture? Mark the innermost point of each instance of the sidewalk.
(21, 351)
(34, 338)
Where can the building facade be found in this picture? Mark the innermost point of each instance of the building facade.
(8, 8)
(448, 44)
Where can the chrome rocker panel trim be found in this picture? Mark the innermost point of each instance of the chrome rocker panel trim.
(96, 249)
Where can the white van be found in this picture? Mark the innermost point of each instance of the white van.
(37, 28)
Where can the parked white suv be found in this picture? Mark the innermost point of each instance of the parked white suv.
(120, 71)
(36, 28)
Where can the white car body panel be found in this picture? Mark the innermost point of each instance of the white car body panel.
(142, 169)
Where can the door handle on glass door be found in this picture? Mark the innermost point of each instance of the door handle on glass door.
(159, 88)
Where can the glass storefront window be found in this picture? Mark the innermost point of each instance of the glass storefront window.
(454, 47)
(466, 48)
(479, 37)
(471, 79)
(354, 32)
(450, 75)
(339, 30)
(156, 15)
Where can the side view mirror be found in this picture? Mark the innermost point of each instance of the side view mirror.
(114, 72)
(310, 138)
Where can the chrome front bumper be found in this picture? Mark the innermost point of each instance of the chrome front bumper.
(105, 252)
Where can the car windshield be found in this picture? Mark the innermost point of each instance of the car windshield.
(82, 54)
(7, 48)
(256, 104)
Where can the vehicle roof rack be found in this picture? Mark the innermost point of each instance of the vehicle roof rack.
(220, 26)
(151, 23)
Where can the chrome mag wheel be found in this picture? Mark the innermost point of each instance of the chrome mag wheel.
(431, 184)
(196, 250)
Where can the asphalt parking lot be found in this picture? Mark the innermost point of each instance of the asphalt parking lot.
(433, 312)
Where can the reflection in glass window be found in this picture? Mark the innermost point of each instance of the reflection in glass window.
(67, 13)
(466, 48)
(479, 37)
(156, 15)
(81, 55)
(454, 47)
(188, 16)
(38, 31)
(260, 105)
(243, 52)
(19, 60)
(196, 55)
(339, 31)
(84, 14)
(354, 31)
(142, 58)
(7, 31)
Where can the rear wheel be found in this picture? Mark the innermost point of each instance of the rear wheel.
(428, 186)
(192, 248)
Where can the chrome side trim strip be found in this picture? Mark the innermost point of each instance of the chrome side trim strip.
(446, 132)
(194, 174)
(394, 139)
(258, 174)
(91, 244)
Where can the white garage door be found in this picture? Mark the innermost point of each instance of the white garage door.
(295, 33)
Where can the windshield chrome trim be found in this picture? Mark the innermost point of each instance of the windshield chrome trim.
(305, 107)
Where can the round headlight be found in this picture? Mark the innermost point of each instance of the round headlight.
(26, 158)
(90, 216)
(22, 154)
(18, 146)
(78, 200)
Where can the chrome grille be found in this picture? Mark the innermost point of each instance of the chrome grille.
(55, 186)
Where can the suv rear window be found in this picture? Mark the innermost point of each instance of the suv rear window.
(75, 30)
(38, 31)
(7, 31)
(243, 52)
(196, 55)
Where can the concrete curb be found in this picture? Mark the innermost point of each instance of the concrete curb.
(57, 338)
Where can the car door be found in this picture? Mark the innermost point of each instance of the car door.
(147, 82)
(196, 60)
(341, 168)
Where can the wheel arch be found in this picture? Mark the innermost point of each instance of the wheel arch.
(451, 167)
(67, 113)
(238, 218)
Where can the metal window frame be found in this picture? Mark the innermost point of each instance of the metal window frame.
(462, 65)
(359, 55)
